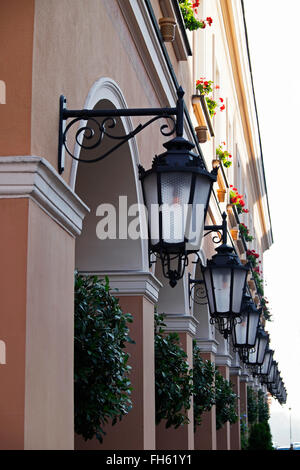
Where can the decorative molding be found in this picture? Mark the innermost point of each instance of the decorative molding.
(178, 44)
(207, 345)
(142, 31)
(131, 283)
(35, 178)
(180, 323)
(235, 371)
(223, 360)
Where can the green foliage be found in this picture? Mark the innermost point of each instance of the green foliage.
(224, 156)
(204, 389)
(252, 406)
(102, 387)
(260, 437)
(263, 408)
(188, 14)
(211, 105)
(226, 401)
(244, 432)
(173, 378)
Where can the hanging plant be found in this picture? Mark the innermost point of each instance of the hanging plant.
(224, 156)
(237, 200)
(266, 311)
(189, 13)
(173, 378)
(204, 389)
(252, 256)
(226, 401)
(101, 385)
(205, 87)
(244, 231)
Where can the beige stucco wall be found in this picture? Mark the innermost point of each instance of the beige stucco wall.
(49, 334)
(84, 44)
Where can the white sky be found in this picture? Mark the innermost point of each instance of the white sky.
(274, 41)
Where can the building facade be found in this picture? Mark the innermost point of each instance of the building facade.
(111, 55)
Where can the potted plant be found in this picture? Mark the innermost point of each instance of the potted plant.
(167, 28)
(204, 87)
(237, 200)
(221, 194)
(244, 231)
(234, 233)
(189, 13)
(201, 132)
(224, 156)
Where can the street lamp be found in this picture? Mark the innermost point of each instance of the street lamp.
(244, 330)
(225, 281)
(256, 356)
(265, 368)
(176, 189)
(176, 192)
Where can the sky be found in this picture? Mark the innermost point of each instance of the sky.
(274, 42)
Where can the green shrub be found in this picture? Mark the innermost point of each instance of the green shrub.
(263, 408)
(226, 401)
(173, 379)
(204, 389)
(102, 387)
(252, 407)
(260, 437)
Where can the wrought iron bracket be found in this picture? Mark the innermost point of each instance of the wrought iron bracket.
(222, 238)
(89, 138)
(196, 291)
(220, 229)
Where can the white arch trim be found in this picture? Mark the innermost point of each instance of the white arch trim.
(107, 89)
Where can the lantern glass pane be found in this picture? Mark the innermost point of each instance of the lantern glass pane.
(209, 290)
(151, 201)
(175, 194)
(252, 330)
(195, 223)
(266, 363)
(222, 281)
(262, 350)
(240, 330)
(239, 278)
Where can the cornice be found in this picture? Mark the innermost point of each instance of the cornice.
(33, 177)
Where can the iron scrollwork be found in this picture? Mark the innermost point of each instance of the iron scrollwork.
(91, 135)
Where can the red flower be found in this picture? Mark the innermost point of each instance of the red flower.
(217, 87)
(222, 108)
(246, 211)
(221, 99)
(230, 156)
(209, 20)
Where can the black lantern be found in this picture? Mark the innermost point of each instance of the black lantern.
(176, 192)
(265, 368)
(270, 380)
(225, 281)
(244, 330)
(256, 356)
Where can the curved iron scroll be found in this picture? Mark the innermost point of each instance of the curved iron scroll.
(90, 138)
(97, 134)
